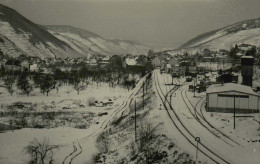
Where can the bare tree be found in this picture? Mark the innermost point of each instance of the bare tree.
(10, 89)
(24, 84)
(68, 91)
(47, 84)
(57, 86)
(40, 152)
(9, 80)
(79, 87)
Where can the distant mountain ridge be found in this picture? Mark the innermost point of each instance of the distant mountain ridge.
(18, 35)
(84, 41)
(247, 31)
(29, 37)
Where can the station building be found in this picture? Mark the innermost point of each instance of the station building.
(224, 98)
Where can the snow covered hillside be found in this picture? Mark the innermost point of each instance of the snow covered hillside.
(21, 36)
(28, 38)
(84, 42)
(247, 31)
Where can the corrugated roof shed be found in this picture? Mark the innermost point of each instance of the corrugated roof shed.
(231, 87)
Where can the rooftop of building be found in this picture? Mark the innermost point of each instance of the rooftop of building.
(231, 87)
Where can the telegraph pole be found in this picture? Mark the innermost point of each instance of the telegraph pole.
(194, 88)
(197, 146)
(234, 111)
(143, 96)
(146, 82)
(135, 122)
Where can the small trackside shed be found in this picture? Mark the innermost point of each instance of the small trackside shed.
(222, 99)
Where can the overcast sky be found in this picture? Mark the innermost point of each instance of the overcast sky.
(163, 23)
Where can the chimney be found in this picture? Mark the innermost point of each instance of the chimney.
(247, 63)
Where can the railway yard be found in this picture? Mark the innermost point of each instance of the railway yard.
(219, 143)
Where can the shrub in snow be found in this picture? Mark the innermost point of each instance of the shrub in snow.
(9, 80)
(98, 158)
(145, 135)
(134, 150)
(115, 122)
(10, 89)
(91, 101)
(104, 142)
(152, 155)
(49, 116)
(82, 126)
(21, 121)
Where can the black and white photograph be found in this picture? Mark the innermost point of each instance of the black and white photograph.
(129, 81)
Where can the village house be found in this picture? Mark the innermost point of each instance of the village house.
(104, 62)
(13, 65)
(244, 47)
(167, 68)
(206, 52)
(173, 61)
(26, 65)
(34, 67)
(183, 67)
(223, 59)
(192, 68)
(129, 62)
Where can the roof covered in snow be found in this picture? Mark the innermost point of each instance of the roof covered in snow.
(168, 66)
(248, 57)
(130, 61)
(231, 87)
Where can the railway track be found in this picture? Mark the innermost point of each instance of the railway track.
(213, 156)
(202, 122)
(200, 113)
(77, 149)
(124, 104)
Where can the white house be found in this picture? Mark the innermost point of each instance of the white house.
(25, 64)
(222, 99)
(34, 68)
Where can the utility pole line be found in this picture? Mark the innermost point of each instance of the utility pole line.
(135, 122)
(197, 139)
(194, 88)
(146, 85)
(234, 111)
(143, 96)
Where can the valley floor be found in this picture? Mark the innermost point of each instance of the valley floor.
(87, 135)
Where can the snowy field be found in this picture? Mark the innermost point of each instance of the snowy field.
(89, 137)
(66, 117)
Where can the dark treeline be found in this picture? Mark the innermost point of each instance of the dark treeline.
(79, 77)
